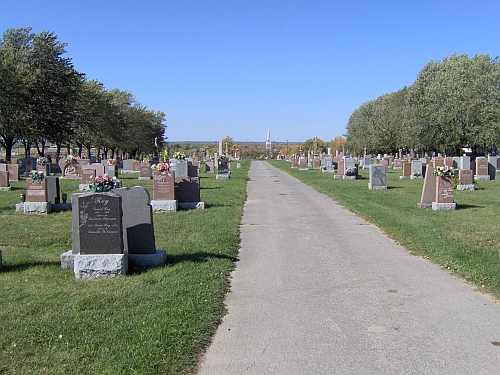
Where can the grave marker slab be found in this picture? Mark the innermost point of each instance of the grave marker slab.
(4, 180)
(465, 180)
(163, 185)
(137, 220)
(100, 229)
(145, 171)
(482, 169)
(377, 177)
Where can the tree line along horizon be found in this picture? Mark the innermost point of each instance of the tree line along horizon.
(453, 104)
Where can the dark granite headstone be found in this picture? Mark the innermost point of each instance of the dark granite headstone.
(100, 228)
(222, 166)
(163, 185)
(187, 189)
(192, 170)
(209, 167)
(137, 219)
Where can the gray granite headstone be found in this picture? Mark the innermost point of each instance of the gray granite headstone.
(328, 163)
(416, 167)
(367, 161)
(180, 167)
(52, 186)
(138, 230)
(100, 228)
(111, 170)
(127, 164)
(377, 177)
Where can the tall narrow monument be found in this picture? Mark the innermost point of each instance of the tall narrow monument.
(268, 140)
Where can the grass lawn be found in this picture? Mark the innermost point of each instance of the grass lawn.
(464, 241)
(156, 321)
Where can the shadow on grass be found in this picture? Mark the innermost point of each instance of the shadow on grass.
(394, 187)
(466, 206)
(27, 265)
(199, 257)
(210, 188)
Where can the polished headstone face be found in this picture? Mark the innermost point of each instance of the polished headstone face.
(367, 160)
(295, 163)
(398, 163)
(465, 177)
(88, 176)
(163, 185)
(222, 166)
(137, 220)
(438, 161)
(100, 228)
(444, 189)
(377, 175)
(482, 166)
(145, 170)
(36, 190)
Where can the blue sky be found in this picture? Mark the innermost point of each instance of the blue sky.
(239, 68)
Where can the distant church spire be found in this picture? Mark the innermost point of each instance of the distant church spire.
(268, 140)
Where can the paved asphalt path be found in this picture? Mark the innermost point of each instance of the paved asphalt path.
(317, 290)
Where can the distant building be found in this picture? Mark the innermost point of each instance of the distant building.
(268, 140)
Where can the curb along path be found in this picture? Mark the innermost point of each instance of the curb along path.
(317, 290)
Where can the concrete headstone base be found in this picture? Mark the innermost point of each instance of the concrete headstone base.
(482, 178)
(100, 266)
(443, 206)
(376, 187)
(164, 205)
(397, 167)
(466, 187)
(222, 176)
(192, 205)
(338, 176)
(424, 205)
(128, 171)
(144, 178)
(67, 260)
(415, 177)
(5, 188)
(349, 177)
(34, 207)
(303, 169)
(404, 177)
(328, 170)
(157, 259)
